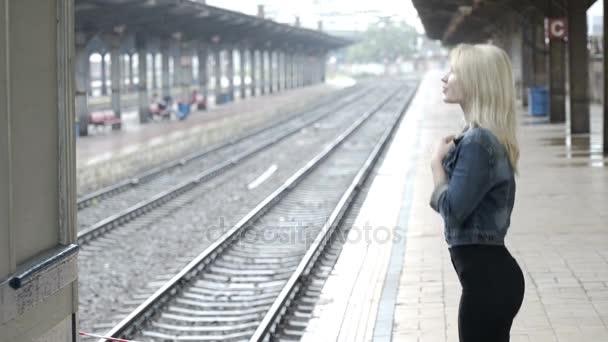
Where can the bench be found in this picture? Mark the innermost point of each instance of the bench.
(104, 118)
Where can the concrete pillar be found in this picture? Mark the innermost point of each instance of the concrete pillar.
(104, 80)
(605, 77)
(242, 55)
(186, 74)
(81, 77)
(217, 68)
(323, 67)
(286, 70)
(252, 71)
(142, 86)
(578, 66)
(557, 72)
(154, 70)
(202, 70)
(292, 70)
(230, 71)
(262, 72)
(89, 84)
(539, 54)
(178, 72)
(271, 76)
(165, 77)
(515, 51)
(279, 70)
(116, 77)
(38, 169)
(527, 61)
(131, 85)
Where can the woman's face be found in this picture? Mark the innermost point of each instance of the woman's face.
(452, 91)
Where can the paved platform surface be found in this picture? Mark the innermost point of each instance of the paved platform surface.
(406, 289)
(107, 156)
(104, 141)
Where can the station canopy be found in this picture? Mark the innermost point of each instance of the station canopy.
(456, 21)
(194, 20)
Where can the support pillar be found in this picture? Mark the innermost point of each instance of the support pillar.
(262, 72)
(217, 68)
(527, 61)
(279, 70)
(131, 77)
(230, 71)
(292, 70)
(605, 100)
(81, 78)
(165, 77)
(286, 71)
(104, 80)
(154, 71)
(38, 169)
(323, 67)
(116, 77)
(142, 75)
(539, 54)
(252, 72)
(271, 76)
(202, 70)
(578, 66)
(242, 71)
(186, 74)
(557, 72)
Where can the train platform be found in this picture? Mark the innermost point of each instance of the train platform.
(107, 156)
(394, 279)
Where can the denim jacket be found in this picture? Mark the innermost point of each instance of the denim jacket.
(477, 200)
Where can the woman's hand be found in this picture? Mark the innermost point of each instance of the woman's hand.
(443, 147)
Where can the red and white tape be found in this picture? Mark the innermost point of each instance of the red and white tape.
(105, 337)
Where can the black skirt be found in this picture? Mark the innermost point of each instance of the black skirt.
(492, 291)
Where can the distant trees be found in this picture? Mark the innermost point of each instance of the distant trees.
(384, 42)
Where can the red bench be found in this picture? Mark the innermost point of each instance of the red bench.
(104, 118)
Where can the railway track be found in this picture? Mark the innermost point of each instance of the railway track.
(111, 207)
(242, 285)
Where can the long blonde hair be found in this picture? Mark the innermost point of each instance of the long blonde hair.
(486, 79)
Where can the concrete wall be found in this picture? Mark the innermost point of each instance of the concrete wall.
(36, 169)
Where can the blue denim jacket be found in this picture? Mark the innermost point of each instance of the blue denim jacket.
(477, 200)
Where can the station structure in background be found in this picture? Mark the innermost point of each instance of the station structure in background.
(522, 28)
(167, 36)
(43, 88)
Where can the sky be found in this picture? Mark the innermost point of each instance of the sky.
(336, 14)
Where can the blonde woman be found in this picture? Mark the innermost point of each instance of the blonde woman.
(474, 176)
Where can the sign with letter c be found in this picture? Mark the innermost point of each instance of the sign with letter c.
(557, 28)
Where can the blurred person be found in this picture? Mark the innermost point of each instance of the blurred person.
(474, 177)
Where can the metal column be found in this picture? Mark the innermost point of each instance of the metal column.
(578, 66)
(142, 76)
